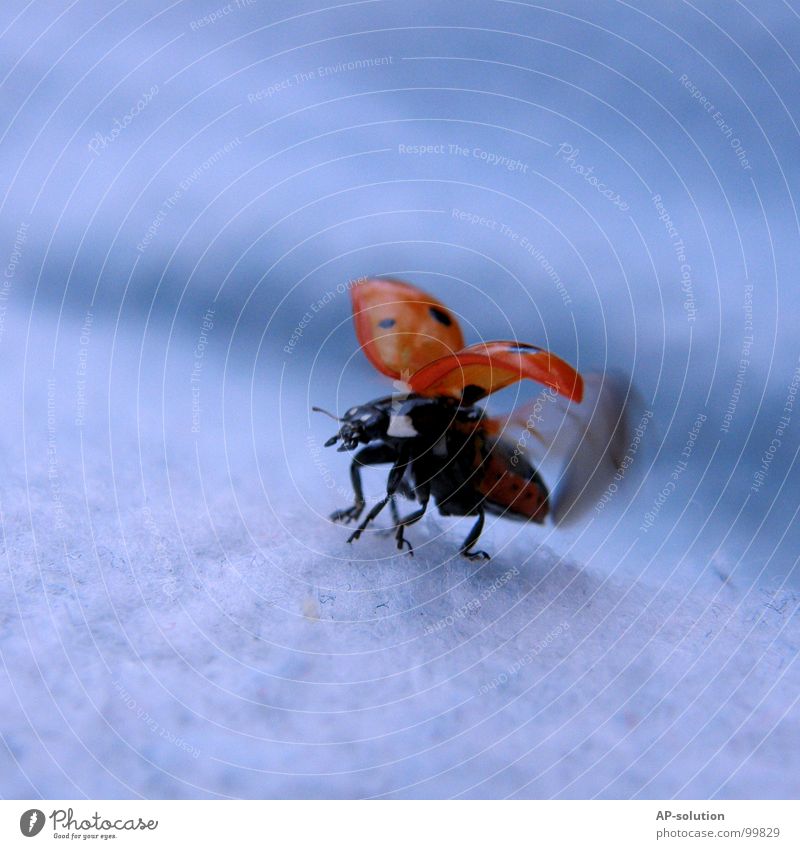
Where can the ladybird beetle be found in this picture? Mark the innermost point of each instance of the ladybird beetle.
(440, 444)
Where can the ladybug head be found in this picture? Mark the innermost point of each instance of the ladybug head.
(360, 425)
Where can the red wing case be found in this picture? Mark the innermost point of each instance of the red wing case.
(479, 370)
(401, 328)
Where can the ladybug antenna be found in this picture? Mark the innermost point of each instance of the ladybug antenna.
(320, 410)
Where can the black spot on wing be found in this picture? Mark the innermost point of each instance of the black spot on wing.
(471, 394)
(387, 323)
(440, 316)
(522, 348)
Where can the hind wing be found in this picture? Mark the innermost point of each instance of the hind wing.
(578, 449)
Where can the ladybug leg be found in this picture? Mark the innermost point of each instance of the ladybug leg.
(393, 482)
(369, 456)
(407, 491)
(395, 512)
(472, 538)
(402, 524)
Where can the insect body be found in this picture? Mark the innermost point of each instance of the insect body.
(440, 445)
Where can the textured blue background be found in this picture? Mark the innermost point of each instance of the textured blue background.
(271, 166)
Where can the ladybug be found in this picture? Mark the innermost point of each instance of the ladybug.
(440, 444)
